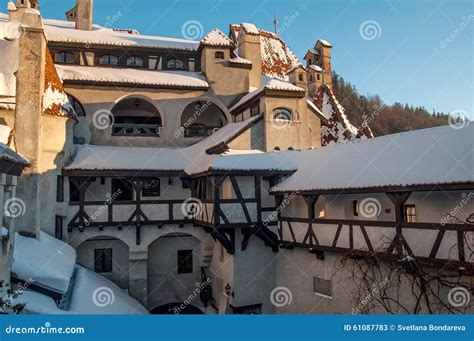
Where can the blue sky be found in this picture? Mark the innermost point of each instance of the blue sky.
(408, 59)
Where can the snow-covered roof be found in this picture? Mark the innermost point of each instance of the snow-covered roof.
(90, 293)
(9, 50)
(240, 60)
(433, 156)
(272, 84)
(7, 154)
(313, 107)
(64, 31)
(250, 28)
(46, 262)
(276, 56)
(324, 43)
(192, 159)
(316, 68)
(107, 75)
(217, 38)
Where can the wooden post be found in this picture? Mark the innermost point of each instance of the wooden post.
(399, 199)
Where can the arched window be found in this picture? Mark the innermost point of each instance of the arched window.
(175, 64)
(136, 62)
(135, 116)
(108, 59)
(202, 118)
(76, 105)
(64, 57)
(282, 114)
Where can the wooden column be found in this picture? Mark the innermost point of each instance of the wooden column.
(399, 199)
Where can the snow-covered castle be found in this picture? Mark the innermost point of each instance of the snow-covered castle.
(214, 176)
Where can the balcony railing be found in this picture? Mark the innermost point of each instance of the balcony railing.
(199, 131)
(135, 129)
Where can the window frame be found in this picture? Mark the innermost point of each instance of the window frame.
(109, 58)
(105, 256)
(323, 293)
(219, 55)
(58, 227)
(174, 64)
(134, 63)
(59, 188)
(114, 187)
(282, 111)
(409, 213)
(64, 59)
(146, 192)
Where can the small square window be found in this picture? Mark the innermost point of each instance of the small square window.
(318, 76)
(322, 287)
(151, 188)
(73, 191)
(219, 55)
(103, 260)
(185, 261)
(301, 77)
(410, 213)
(58, 231)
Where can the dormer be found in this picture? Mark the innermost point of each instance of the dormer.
(298, 76)
(215, 48)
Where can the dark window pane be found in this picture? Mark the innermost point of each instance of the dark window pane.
(185, 261)
(60, 188)
(73, 192)
(58, 227)
(122, 190)
(69, 58)
(219, 55)
(103, 260)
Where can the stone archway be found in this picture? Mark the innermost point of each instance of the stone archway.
(108, 256)
(136, 116)
(202, 118)
(173, 269)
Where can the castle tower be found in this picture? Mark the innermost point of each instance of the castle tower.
(318, 62)
(249, 48)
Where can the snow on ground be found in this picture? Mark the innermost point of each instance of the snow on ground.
(132, 76)
(46, 262)
(438, 155)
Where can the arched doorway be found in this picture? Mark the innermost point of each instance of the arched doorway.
(108, 256)
(136, 116)
(201, 119)
(173, 269)
(176, 309)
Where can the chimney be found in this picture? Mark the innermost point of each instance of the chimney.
(84, 15)
(249, 48)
